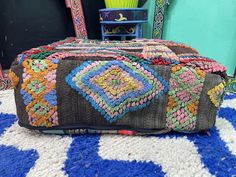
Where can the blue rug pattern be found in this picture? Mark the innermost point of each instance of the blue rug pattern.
(212, 154)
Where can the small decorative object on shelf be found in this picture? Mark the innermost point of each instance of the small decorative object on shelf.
(121, 3)
(122, 22)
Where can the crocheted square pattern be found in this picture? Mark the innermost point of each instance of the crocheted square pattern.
(159, 50)
(203, 63)
(216, 94)
(39, 92)
(185, 89)
(116, 87)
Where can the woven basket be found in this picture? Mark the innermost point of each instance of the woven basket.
(121, 3)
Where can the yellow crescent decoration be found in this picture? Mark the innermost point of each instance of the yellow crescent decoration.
(122, 18)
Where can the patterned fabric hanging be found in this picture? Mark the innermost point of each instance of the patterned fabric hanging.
(159, 14)
(78, 17)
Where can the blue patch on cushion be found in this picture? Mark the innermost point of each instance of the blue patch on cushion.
(51, 98)
(83, 160)
(55, 60)
(21, 58)
(26, 97)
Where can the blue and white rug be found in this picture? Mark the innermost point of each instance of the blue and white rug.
(27, 153)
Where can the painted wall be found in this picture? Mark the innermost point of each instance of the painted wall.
(207, 25)
(147, 27)
(27, 24)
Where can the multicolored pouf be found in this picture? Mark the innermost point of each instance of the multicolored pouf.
(133, 87)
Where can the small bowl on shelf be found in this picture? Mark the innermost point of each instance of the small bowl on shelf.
(121, 3)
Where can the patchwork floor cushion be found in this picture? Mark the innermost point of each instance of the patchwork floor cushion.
(131, 87)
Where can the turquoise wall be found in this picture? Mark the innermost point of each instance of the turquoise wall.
(147, 27)
(207, 25)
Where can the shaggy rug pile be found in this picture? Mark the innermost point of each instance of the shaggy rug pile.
(28, 153)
